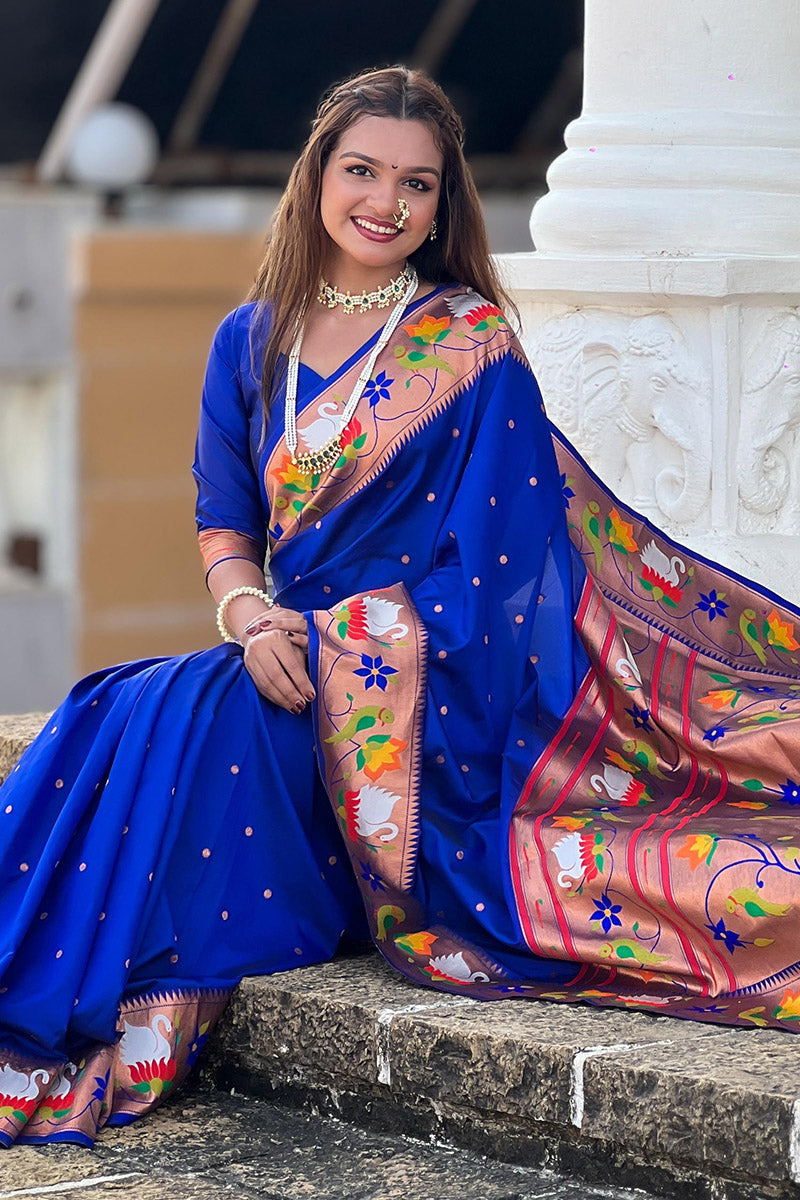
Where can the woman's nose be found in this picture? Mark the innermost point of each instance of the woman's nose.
(383, 197)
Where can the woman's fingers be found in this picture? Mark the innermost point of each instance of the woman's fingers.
(285, 619)
(278, 670)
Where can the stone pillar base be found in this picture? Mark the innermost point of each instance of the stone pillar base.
(678, 379)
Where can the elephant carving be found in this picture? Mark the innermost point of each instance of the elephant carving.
(641, 411)
(770, 417)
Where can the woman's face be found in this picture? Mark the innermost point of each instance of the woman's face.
(376, 162)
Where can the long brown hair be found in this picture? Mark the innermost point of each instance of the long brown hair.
(287, 280)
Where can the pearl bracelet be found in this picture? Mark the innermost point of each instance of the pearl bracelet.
(224, 632)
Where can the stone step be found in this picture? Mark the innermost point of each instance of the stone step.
(210, 1145)
(687, 1110)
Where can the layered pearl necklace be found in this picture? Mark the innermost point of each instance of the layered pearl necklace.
(317, 461)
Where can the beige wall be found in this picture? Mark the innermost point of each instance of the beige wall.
(147, 307)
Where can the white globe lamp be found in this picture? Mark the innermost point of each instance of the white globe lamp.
(114, 148)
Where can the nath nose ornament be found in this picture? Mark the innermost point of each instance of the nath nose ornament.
(405, 213)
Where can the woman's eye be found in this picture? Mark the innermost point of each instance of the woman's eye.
(418, 185)
(358, 169)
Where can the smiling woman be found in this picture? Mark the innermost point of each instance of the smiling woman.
(490, 717)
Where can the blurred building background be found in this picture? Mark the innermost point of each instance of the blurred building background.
(110, 291)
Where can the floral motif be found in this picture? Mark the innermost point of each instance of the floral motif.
(620, 533)
(713, 604)
(378, 388)
(485, 316)
(790, 792)
(380, 753)
(721, 933)
(789, 1007)
(780, 633)
(199, 1039)
(429, 330)
(370, 877)
(606, 912)
(353, 439)
(640, 717)
(715, 734)
(416, 943)
(698, 848)
(722, 698)
(374, 671)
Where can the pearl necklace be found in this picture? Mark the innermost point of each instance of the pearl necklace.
(317, 461)
(363, 301)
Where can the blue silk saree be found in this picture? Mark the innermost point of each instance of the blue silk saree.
(552, 754)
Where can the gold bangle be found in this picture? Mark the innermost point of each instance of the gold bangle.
(224, 632)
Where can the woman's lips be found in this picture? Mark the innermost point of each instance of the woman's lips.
(371, 235)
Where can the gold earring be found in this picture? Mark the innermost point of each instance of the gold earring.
(433, 232)
(405, 213)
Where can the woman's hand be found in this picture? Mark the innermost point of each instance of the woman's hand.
(274, 655)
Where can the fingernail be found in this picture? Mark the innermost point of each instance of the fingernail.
(298, 708)
(312, 695)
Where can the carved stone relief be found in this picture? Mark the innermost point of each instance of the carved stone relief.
(768, 457)
(636, 400)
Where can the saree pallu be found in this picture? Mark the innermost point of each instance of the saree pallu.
(552, 754)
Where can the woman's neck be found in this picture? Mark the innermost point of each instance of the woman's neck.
(355, 278)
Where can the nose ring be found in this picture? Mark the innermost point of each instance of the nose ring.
(405, 213)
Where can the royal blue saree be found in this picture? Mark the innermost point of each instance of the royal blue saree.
(551, 754)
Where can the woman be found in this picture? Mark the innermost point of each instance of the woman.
(538, 757)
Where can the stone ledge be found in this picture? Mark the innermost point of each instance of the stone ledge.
(16, 734)
(696, 1112)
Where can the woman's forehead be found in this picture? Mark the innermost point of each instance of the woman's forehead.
(391, 141)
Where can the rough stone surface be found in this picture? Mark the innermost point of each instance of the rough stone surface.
(16, 734)
(723, 1101)
(202, 1146)
(687, 1108)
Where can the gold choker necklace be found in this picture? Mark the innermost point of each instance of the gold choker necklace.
(363, 301)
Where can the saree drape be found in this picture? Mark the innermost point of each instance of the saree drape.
(552, 754)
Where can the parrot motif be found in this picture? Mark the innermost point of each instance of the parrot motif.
(630, 952)
(591, 527)
(363, 718)
(644, 756)
(753, 903)
(415, 360)
(750, 634)
(386, 917)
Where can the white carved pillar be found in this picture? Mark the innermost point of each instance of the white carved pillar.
(661, 308)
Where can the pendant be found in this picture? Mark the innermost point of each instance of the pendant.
(316, 462)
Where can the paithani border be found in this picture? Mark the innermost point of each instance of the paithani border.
(110, 1084)
(373, 784)
(397, 425)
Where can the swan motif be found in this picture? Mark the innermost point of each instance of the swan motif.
(626, 666)
(19, 1085)
(63, 1082)
(568, 852)
(454, 967)
(142, 1044)
(665, 568)
(323, 428)
(370, 812)
(381, 617)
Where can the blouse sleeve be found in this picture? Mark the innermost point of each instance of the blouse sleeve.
(230, 515)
